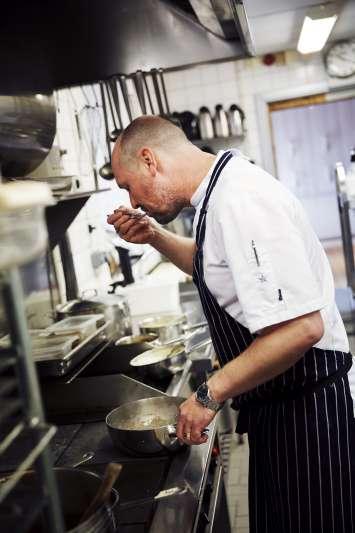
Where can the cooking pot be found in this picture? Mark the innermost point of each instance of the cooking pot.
(161, 361)
(145, 427)
(117, 357)
(76, 490)
(166, 327)
(114, 307)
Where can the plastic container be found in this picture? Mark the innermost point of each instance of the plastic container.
(152, 297)
(23, 232)
(82, 325)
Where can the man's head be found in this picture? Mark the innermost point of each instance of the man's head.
(146, 161)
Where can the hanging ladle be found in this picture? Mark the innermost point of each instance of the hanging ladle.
(106, 170)
(114, 106)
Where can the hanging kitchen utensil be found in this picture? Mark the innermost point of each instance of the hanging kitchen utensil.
(155, 78)
(106, 170)
(116, 99)
(92, 129)
(139, 85)
(116, 128)
(146, 84)
(161, 77)
(123, 84)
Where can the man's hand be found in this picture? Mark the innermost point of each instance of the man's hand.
(193, 420)
(132, 225)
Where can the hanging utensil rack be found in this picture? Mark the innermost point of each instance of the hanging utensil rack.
(23, 428)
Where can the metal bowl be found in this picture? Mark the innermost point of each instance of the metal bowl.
(145, 427)
(166, 327)
(160, 362)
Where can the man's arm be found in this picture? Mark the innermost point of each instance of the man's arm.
(180, 250)
(270, 354)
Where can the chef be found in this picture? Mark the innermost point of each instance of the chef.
(267, 292)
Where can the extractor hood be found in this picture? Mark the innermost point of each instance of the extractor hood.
(45, 45)
(225, 18)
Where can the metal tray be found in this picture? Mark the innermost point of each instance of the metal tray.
(60, 366)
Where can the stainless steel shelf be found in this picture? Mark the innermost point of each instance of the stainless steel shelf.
(76, 196)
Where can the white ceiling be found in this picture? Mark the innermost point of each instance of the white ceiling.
(276, 24)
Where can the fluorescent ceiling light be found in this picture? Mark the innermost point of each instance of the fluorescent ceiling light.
(315, 31)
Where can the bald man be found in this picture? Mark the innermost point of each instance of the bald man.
(267, 293)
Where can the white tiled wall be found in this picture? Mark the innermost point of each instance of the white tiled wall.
(239, 82)
(226, 83)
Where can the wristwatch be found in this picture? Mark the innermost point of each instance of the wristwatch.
(204, 397)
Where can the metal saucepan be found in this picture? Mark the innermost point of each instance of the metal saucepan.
(76, 490)
(167, 327)
(116, 358)
(145, 427)
(161, 361)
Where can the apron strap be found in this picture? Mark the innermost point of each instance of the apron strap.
(221, 163)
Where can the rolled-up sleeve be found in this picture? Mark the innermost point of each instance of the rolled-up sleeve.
(268, 259)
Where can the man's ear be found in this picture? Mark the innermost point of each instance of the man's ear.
(149, 160)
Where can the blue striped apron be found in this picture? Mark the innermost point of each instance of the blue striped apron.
(300, 424)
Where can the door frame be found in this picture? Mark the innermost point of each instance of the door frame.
(262, 101)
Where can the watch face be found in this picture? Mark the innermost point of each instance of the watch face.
(340, 59)
(202, 393)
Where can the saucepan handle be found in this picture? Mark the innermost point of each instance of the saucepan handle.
(172, 431)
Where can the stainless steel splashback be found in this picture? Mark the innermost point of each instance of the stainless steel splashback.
(27, 130)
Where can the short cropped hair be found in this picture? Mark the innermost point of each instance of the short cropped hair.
(152, 131)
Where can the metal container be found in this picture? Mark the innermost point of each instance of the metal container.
(76, 490)
(221, 122)
(236, 118)
(27, 130)
(166, 327)
(114, 307)
(205, 123)
(160, 362)
(145, 427)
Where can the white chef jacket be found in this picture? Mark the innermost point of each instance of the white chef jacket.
(262, 260)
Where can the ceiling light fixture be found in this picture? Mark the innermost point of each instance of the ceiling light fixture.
(317, 26)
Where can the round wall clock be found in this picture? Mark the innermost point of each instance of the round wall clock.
(340, 59)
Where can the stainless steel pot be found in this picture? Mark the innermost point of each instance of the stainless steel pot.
(166, 327)
(161, 361)
(114, 307)
(145, 427)
(76, 490)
